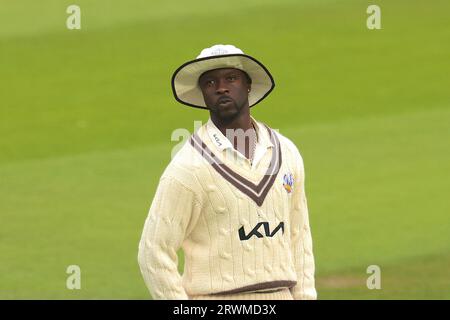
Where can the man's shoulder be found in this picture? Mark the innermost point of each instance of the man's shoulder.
(285, 142)
(183, 157)
(186, 163)
(287, 145)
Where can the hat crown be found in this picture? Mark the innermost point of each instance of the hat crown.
(219, 49)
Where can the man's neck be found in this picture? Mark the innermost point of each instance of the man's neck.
(242, 144)
(243, 121)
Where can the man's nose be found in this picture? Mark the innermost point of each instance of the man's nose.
(221, 87)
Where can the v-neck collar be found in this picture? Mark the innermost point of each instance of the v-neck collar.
(257, 192)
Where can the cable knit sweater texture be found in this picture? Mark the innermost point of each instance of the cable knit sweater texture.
(243, 226)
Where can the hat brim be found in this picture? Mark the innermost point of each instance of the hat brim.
(185, 79)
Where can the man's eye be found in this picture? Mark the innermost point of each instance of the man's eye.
(210, 83)
(232, 78)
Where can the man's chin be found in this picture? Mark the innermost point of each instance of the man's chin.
(227, 114)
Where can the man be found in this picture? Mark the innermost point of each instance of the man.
(233, 198)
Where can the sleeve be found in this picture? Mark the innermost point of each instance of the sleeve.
(172, 216)
(301, 240)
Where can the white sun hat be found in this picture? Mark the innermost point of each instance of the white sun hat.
(185, 79)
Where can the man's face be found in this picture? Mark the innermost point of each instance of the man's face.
(225, 91)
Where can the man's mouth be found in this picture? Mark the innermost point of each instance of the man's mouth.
(224, 100)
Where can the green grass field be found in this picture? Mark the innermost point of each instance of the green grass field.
(86, 118)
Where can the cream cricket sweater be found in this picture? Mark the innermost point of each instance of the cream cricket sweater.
(243, 226)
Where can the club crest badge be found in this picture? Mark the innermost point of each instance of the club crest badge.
(288, 182)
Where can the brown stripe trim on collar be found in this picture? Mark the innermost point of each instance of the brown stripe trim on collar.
(256, 192)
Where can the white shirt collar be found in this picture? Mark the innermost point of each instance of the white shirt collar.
(221, 142)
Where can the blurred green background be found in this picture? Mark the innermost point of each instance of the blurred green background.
(86, 118)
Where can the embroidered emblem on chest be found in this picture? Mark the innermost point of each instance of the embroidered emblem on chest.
(288, 182)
